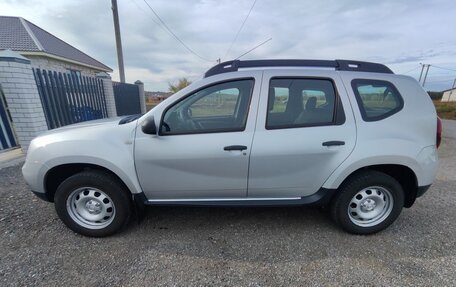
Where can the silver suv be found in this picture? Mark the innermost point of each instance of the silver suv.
(351, 136)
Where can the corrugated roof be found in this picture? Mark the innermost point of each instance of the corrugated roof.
(18, 34)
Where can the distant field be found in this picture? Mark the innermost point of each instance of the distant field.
(446, 110)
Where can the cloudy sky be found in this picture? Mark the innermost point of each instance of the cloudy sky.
(399, 33)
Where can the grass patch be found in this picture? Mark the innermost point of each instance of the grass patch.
(446, 110)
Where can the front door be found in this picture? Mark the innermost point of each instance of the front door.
(305, 130)
(202, 150)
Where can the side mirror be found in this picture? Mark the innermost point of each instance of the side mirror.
(148, 126)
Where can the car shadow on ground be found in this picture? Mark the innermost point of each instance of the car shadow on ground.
(218, 217)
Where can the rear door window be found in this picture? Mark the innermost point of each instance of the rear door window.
(302, 102)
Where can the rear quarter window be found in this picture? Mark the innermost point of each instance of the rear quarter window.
(376, 99)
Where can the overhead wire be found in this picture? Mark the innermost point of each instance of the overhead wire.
(441, 81)
(434, 81)
(443, 68)
(437, 81)
(142, 10)
(240, 28)
(261, 44)
(174, 35)
(416, 68)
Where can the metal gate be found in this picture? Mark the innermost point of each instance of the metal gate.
(7, 137)
(127, 99)
(68, 98)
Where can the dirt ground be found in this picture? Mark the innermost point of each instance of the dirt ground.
(176, 246)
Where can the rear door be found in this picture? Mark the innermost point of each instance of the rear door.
(305, 130)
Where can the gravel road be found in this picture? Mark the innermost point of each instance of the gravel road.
(230, 246)
(449, 128)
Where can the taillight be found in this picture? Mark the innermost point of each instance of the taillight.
(439, 132)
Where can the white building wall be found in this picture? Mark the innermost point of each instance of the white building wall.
(449, 96)
(46, 63)
(21, 94)
(109, 94)
(22, 97)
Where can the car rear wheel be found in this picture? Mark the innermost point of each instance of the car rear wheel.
(367, 202)
(93, 203)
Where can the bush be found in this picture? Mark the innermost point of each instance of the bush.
(445, 110)
(435, 96)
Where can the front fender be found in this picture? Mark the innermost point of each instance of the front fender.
(127, 173)
(110, 147)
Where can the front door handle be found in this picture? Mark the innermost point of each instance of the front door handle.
(333, 143)
(235, 147)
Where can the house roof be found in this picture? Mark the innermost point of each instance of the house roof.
(20, 35)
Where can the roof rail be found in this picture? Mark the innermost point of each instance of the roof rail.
(340, 65)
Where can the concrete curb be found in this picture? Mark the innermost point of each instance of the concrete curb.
(11, 158)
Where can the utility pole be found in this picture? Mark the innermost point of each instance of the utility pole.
(425, 75)
(421, 74)
(115, 15)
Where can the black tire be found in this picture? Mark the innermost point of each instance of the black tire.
(344, 202)
(106, 187)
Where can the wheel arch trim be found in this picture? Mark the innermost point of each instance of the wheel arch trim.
(343, 172)
(130, 180)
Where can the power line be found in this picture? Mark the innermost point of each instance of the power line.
(174, 35)
(438, 81)
(142, 10)
(416, 68)
(240, 28)
(443, 68)
(254, 48)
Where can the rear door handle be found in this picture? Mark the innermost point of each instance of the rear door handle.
(235, 147)
(332, 143)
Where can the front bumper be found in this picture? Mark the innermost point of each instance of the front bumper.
(33, 173)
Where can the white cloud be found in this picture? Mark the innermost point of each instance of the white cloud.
(400, 33)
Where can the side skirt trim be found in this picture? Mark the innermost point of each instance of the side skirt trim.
(321, 198)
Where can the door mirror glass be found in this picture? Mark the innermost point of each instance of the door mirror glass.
(148, 126)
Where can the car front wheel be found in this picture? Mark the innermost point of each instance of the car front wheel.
(93, 203)
(367, 202)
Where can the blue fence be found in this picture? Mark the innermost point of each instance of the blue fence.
(68, 98)
(7, 138)
(127, 99)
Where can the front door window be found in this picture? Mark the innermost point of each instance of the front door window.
(219, 108)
